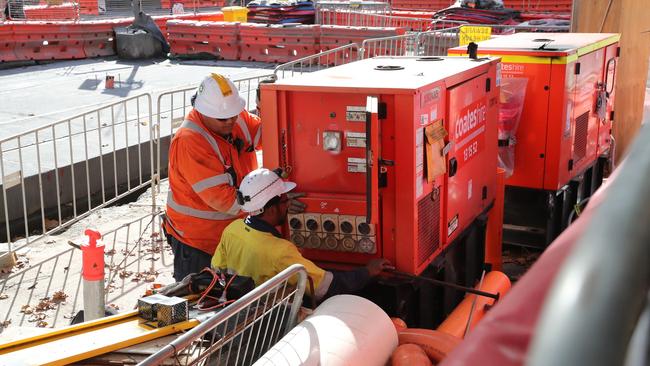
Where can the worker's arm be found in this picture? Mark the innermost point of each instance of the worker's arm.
(208, 178)
(289, 255)
(348, 282)
(330, 283)
(254, 124)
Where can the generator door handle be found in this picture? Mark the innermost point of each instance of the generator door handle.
(371, 107)
(368, 167)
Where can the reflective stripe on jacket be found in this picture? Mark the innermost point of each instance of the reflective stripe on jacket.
(201, 200)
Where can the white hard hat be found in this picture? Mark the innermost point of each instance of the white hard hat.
(218, 97)
(259, 187)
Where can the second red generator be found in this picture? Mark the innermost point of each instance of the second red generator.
(563, 138)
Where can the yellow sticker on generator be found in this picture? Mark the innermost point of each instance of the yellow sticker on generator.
(474, 33)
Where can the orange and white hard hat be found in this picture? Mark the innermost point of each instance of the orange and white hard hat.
(218, 97)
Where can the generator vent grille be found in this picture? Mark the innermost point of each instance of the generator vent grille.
(580, 138)
(428, 227)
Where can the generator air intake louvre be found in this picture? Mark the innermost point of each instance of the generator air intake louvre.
(580, 138)
(428, 227)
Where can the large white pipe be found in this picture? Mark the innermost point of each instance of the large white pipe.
(343, 330)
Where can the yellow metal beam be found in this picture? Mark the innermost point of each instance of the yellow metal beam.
(87, 340)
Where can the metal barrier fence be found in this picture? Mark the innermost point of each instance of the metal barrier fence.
(436, 43)
(433, 43)
(55, 175)
(403, 45)
(368, 19)
(368, 7)
(53, 285)
(334, 57)
(243, 331)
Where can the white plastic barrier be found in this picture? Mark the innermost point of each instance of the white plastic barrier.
(344, 330)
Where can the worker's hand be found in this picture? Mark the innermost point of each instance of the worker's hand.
(377, 265)
(295, 206)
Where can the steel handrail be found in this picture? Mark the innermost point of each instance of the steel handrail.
(374, 43)
(287, 66)
(202, 329)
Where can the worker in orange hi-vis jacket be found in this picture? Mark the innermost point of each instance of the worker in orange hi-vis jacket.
(209, 155)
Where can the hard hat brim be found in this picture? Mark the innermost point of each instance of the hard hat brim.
(288, 186)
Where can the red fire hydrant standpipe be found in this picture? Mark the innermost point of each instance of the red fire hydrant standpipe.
(93, 275)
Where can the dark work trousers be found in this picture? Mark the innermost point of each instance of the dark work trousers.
(187, 259)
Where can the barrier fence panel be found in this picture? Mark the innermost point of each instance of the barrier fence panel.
(174, 105)
(54, 175)
(49, 292)
(403, 45)
(343, 8)
(243, 331)
(368, 19)
(436, 43)
(335, 56)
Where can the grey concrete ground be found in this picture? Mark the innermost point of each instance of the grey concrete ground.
(45, 288)
(34, 96)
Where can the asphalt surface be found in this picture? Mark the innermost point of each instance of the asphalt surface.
(34, 96)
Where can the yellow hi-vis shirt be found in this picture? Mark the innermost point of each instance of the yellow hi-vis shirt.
(260, 255)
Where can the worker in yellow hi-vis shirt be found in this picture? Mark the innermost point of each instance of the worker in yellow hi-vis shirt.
(253, 246)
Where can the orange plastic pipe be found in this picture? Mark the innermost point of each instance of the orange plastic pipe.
(410, 355)
(494, 234)
(434, 343)
(456, 323)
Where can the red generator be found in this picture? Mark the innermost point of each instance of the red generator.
(560, 144)
(397, 157)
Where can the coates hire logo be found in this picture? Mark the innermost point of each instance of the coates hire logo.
(471, 120)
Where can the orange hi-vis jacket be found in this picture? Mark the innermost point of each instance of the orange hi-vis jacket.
(202, 194)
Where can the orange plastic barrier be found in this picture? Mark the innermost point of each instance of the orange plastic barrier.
(333, 36)
(161, 20)
(456, 323)
(48, 41)
(7, 43)
(494, 234)
(65, 11)
(89, 7)
(277, 43)
(410, 20)
(219, 39)
(99, 37)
